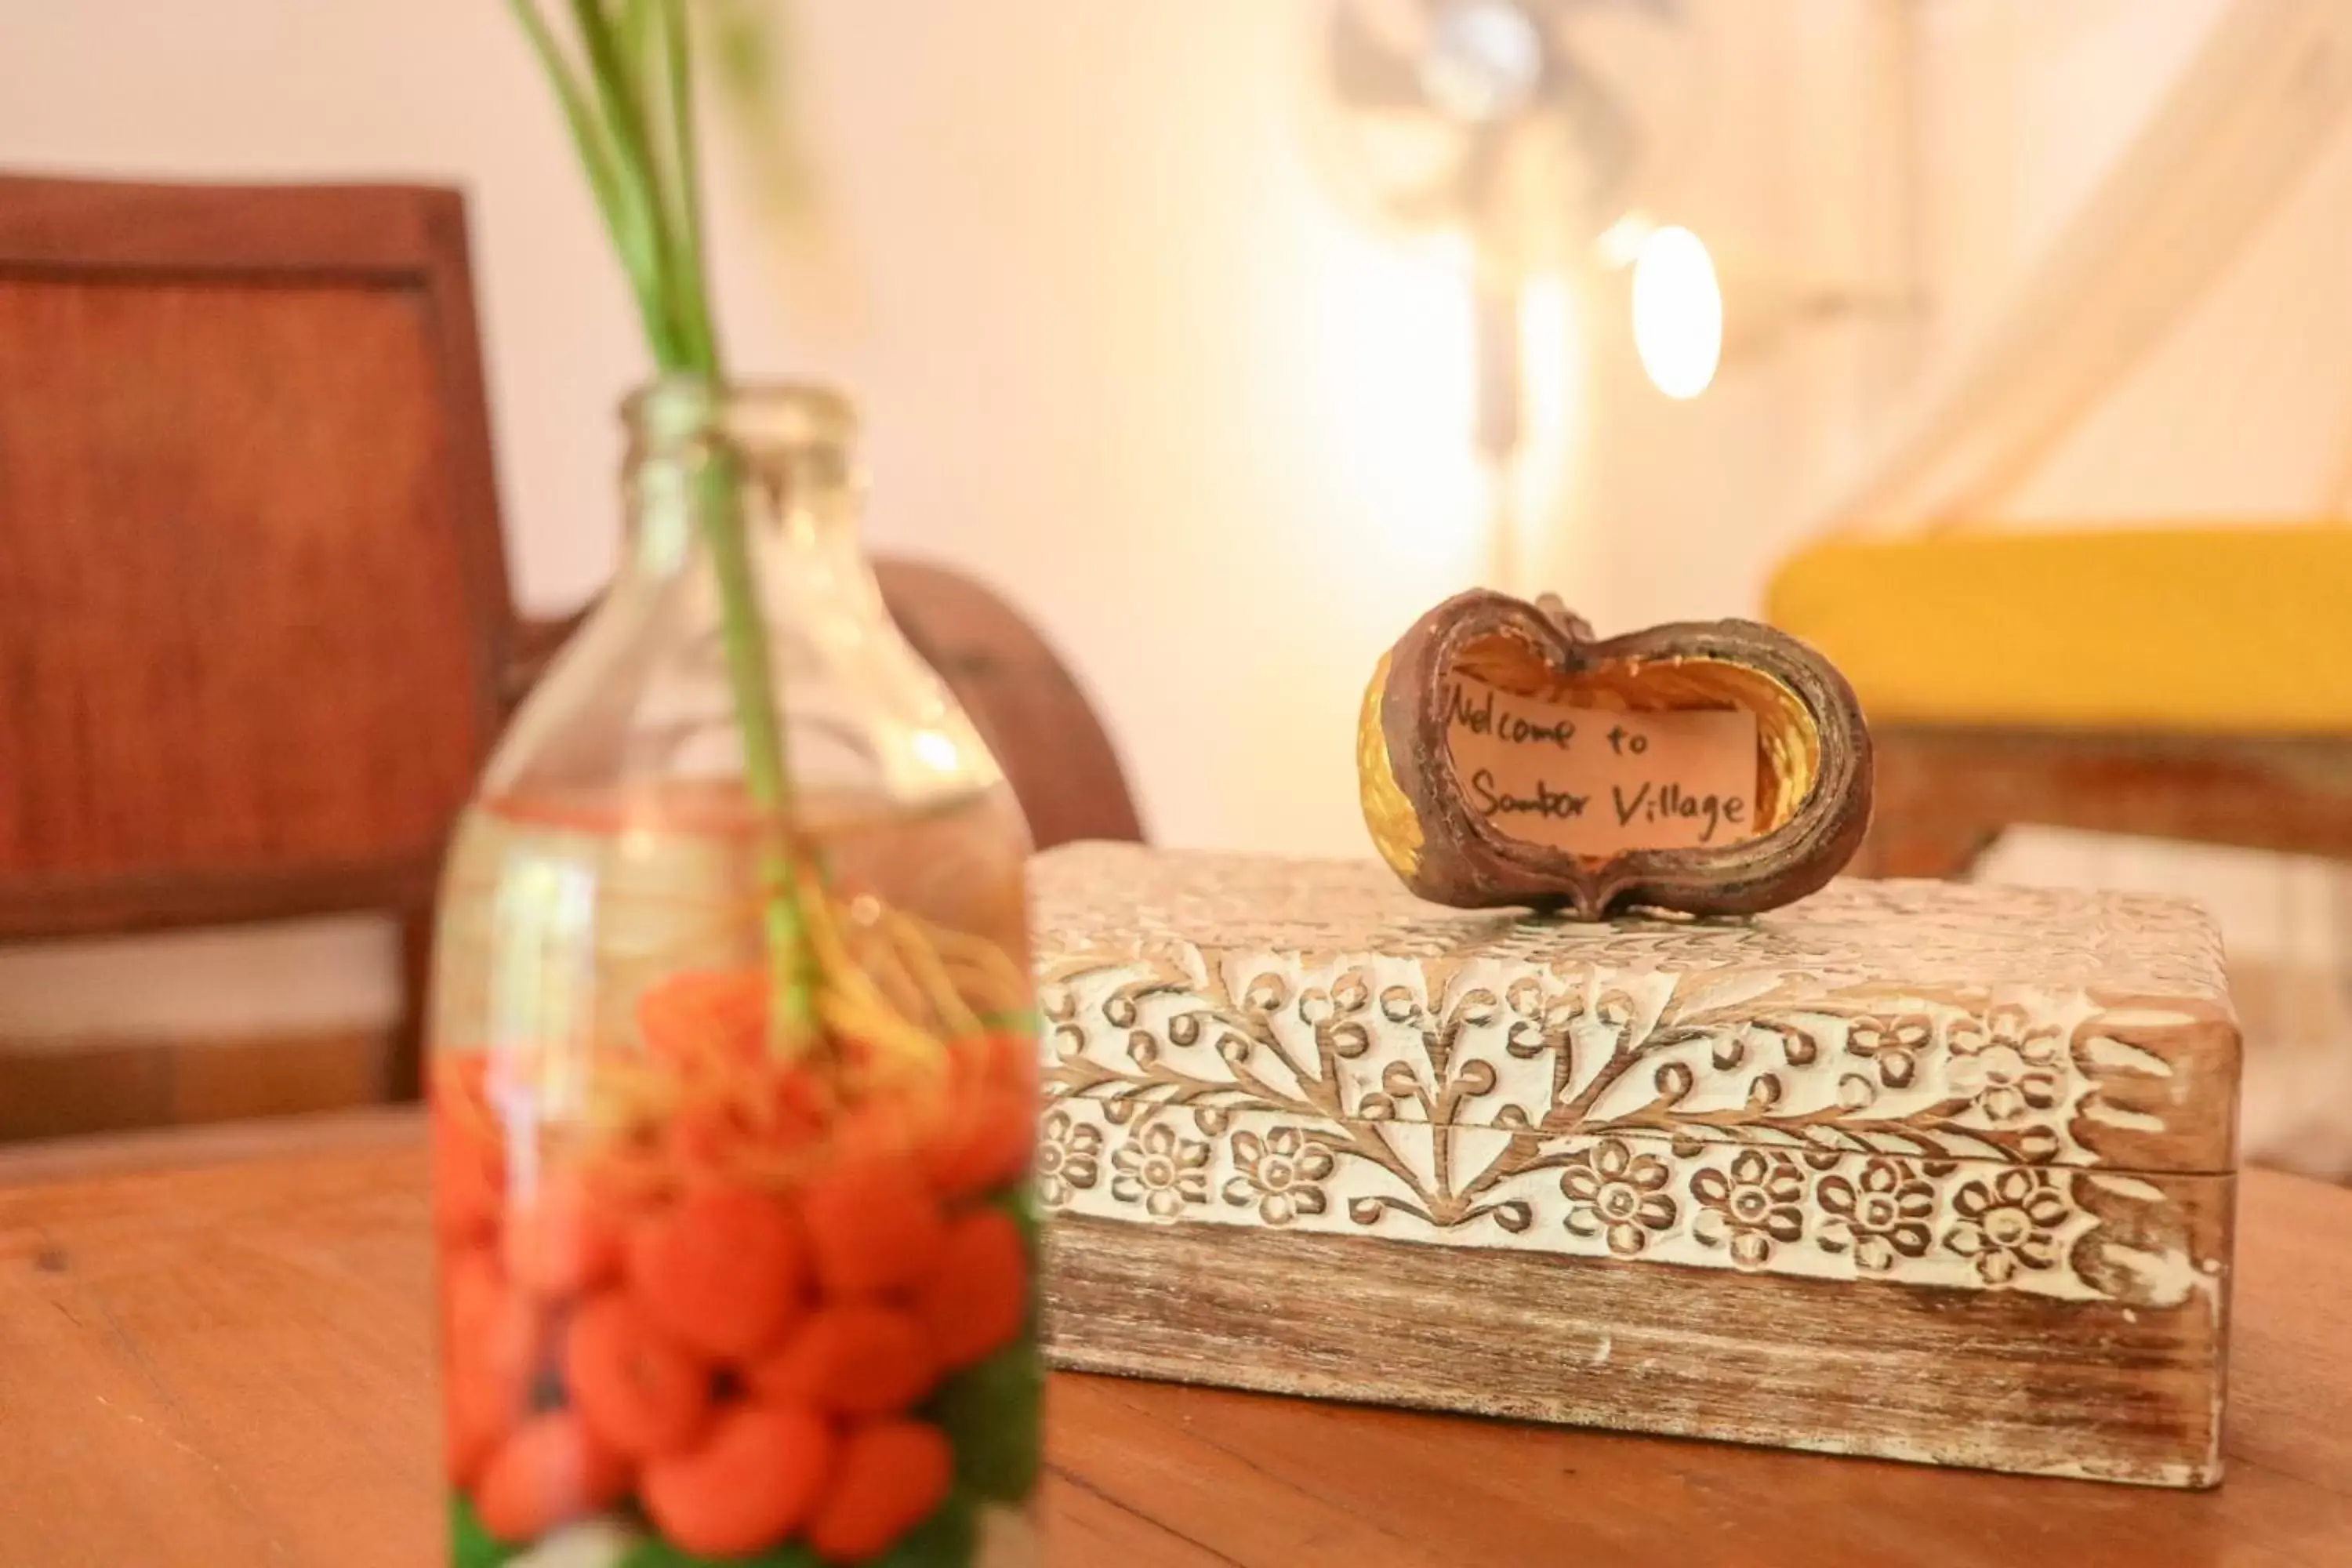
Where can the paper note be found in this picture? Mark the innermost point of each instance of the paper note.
(1593, 782)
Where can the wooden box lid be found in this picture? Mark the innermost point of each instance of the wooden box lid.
(2046, 1027)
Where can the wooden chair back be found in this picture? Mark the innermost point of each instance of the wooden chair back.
(253, 603)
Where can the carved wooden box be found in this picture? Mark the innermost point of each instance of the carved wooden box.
(1906, 1169)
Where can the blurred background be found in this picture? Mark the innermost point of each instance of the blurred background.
(1223, 337)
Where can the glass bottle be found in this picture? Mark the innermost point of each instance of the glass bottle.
(707, 1297)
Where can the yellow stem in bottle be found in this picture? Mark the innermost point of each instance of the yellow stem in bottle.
(918, 954)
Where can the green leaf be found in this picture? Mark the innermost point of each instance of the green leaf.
(646, 236)
(1021, 1203)
(471, 1546)
(684, 184)
(752, 52)
(946, 1540)
(616, 68)
(993, 1414)
(639, 32)
(641, 64)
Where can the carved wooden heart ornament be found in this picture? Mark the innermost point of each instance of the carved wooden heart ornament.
(1506, 757)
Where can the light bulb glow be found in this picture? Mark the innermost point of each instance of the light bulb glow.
(1678, 312)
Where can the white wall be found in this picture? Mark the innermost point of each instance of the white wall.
(2243, 411)
(1122, 353)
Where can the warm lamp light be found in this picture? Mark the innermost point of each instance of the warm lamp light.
(1678, 312)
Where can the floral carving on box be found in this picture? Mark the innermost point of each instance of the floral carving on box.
(1952, 1086)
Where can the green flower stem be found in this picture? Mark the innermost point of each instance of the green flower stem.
(685, 210)
(643, 167)
(620, 198)
(767, 772)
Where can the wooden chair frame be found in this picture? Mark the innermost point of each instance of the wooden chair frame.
(378, 237)
(1945, 793)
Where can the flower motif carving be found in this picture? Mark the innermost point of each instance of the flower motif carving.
(1161, 1170)
(1797, 1094)
(2007, 1223)
(1882, 1214)
(1068, 1158)
(1282, 1174)
(1558, 1053)
(1617, 1194)
(2008, 1065)
(1350, 1060)
(1811, 1212)
(1757, 1203)
(1893, 1044)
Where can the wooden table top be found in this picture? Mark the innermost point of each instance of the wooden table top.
(215, 1351)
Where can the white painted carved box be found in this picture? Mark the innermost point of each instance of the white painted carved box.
(1907, 1169)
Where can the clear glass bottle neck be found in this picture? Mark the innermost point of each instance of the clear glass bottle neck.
(650, 688)
(784, 455)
